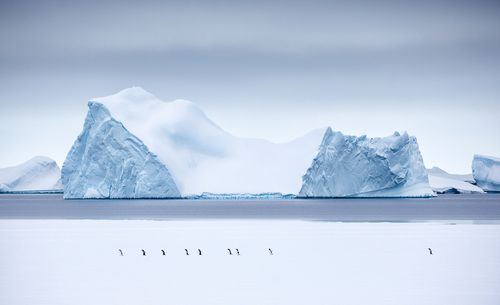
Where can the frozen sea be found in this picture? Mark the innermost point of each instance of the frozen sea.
(373, 251)
(474, 207)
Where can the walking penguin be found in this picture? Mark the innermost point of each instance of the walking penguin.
(237, 251)
(121, 252)
(187, 252)
(270, 251)
(430, 251)
(230, 253)
(143, 252)
(163, 251)
(199, 252)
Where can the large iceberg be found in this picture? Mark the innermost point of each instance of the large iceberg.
(135, 145)
(199, 155)
(486, 172)
(107, 161)
(35, 175)
(349, 166)
(443, 182)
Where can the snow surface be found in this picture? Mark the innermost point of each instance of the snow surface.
(77, 262)
(204, 158)
(349, 166)
(442, 182)
(436, 171)
(107, 161)
(486, 172)
(37, 174)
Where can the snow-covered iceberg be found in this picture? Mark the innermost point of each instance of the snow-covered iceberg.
(107, 161)
(349, 166)
(442, 182)
(486, 172)
(199, 155)
(35, 175)
(135, 145)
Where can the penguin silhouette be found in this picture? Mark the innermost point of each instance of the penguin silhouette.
(163, 251)
(430, 251)
(270, 251)
(199, 252)
(230, 253)
(187, 252)
(121, 252)
(237, 251)
(143, 252)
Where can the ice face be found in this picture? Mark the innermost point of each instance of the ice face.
(107, 161)
(486, 172)
(37, 174)
(349, 166)
(442, 182)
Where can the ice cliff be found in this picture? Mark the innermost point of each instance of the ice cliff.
(36, 174)
(486, 172)
(107, 161)
(349, 166)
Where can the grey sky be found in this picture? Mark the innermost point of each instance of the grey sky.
(272, 69)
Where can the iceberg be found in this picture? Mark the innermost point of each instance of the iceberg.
(107, 161)
(38, 174)
(134, 145)
(179, 139)
(442, 182)
(486, 172)
(350, 166)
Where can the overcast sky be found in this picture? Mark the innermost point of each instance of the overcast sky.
(269, 69)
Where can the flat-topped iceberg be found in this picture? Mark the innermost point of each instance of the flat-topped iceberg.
(35, 175)
(349, 166)
(486, 172)
(107, 161)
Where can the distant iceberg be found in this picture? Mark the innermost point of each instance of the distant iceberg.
(39, 174)
(349, 166)
(486, 172)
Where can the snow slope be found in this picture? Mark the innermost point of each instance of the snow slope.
(60, 262)
(442, 182)
(204, 158)
(486, 172)
(436, 171)
(349, 166)
(37, 174)
(107, 161)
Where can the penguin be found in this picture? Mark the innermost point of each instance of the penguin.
(430, 251)
(230, 253)
(163, 251)
(237, 251)
(121, 252)
(270, 251)
(199, 252)
(143, 252)
(187, 252)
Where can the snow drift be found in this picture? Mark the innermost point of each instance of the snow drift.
(486, 172)
(349, 166)
(36, 174)
(134, 145)
(107, 161)
(443, 182)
